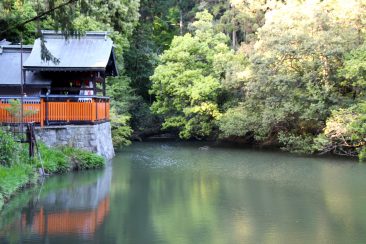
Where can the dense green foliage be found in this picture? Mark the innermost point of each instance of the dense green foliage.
(187, 82)
(294, 83)
(8, 149)
(13, 178)
(119, 17)
(298, 67)
(81, 159)
(273, 72)
(345, 132)
(64, 159)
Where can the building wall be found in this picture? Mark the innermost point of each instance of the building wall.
(96, 138)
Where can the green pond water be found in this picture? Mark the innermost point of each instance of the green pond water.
(170, 192)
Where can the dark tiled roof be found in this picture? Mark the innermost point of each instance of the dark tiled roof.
(89, 52)
(10, 67)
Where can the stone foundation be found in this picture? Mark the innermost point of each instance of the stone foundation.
(96, 138)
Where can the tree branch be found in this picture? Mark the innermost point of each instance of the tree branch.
(39, 16)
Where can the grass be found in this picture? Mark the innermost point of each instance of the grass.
(63, 159)
(14, 178)
(18, 171)
(53, 160)
(82, 160)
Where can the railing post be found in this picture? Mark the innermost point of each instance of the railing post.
(96, 109)
(93, 115)
(68, 110)
(46, 110)
(105, 109)
(41, 112)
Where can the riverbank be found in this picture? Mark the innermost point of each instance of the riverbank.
(18, 172)
(249, 141)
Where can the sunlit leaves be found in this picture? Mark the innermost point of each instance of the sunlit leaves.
(345, 132)
(188, 80)
(354, 70)
(293, 84)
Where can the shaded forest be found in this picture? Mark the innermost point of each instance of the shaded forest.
(285, 73)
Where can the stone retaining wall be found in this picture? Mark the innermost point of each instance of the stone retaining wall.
(96, 138)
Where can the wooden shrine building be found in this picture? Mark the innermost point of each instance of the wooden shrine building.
(69, 91)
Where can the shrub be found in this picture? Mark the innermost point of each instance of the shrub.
(296, 143)
(9, 149)
(53, 160)
(345, 132)
(82, 159)
(362, 154)
(62, 159)
(121, 131)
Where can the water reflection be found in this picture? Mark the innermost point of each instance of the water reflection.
(67, 205)
(176, 193)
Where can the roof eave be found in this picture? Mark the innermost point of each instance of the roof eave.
(63, 69)
(114, 62)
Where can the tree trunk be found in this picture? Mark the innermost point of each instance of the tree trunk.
(234, 39)
(181, 18)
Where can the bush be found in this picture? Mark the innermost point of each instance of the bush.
(121, 131)
(345, 132)
(18, 170)
(82, 159)
(362, 154)
(62, 159)
(297, 143)
(53, 160)
(9, 149)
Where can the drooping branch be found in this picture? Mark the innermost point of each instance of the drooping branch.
(39, 16)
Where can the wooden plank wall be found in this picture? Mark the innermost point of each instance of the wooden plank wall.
(88, 110)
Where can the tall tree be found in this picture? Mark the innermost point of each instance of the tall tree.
(187, 82)
(294, 83)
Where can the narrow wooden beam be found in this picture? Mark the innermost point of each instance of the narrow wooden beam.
(104, 86)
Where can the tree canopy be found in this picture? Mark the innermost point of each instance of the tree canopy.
(289, 73)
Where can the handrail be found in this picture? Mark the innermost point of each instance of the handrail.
(18, 97)
(73, 96)
(52, 96)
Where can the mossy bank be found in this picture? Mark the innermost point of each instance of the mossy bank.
(18, 171)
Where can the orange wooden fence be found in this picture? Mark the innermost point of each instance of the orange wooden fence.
(56, 110)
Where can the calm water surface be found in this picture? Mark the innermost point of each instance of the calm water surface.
(178, 193)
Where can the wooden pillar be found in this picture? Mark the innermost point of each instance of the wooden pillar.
(94, 87)
(24, 76)
(104, 86)
(95, 84)
(68, 111)
(42, 112)
(46, 111)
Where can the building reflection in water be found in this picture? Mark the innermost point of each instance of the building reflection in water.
(77, 210)
(80, 221)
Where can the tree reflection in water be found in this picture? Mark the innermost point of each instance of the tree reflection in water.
(176, 193)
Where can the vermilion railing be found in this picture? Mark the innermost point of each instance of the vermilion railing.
(57, 109)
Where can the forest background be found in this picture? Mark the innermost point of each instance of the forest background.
(286, 73)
